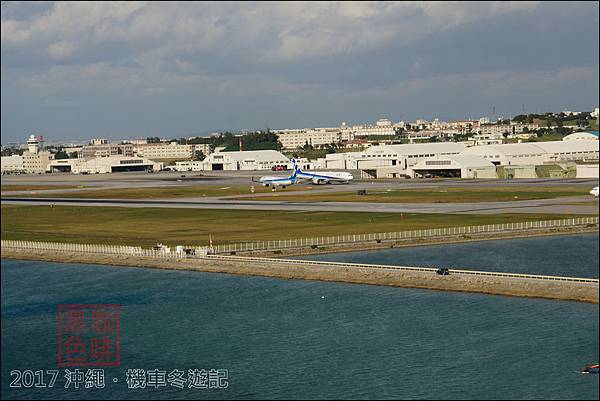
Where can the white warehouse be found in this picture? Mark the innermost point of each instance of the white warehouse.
(403, 156)
(246, 160)
(536, 153)
(102, 165)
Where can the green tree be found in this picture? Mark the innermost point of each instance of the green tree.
(198, 156)
(61, 154)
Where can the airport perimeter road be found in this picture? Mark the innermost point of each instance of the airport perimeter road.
(566, 205)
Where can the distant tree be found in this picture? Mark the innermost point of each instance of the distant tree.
(521, 118)
(73, 155)
(331, 147)
(460, 137)
(61, 154)
(153, 139)
(198, 140)
(564, 131)
(307, 146)
(198, 156)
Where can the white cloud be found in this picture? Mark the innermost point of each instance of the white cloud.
(288, 31)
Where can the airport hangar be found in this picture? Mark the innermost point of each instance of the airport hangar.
(457, 160)
(246, 160)
(102, 165)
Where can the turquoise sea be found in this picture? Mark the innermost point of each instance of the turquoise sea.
(308, 339)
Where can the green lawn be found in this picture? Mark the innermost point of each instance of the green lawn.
(192, 191)
(447, 195)
(147, 226)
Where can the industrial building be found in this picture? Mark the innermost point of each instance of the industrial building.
(403, 156)
(102, 165)
(189, 165)
(536, 153)
(246, 160)
(11, 164)
(456, 166)
(582, 136)
(520, 160)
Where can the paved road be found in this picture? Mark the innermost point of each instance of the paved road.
(558, 205)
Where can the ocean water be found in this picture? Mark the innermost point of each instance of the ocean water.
(568, 255)
(306, 339)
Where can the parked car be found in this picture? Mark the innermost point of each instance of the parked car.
(279, 167)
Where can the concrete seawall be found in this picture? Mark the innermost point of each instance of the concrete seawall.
(497, 285)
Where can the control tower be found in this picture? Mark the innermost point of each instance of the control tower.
(32, 144)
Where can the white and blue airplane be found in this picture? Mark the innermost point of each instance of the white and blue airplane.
(322, 177)
(269, 181)
(595, 191)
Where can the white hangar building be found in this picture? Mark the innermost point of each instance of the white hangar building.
(102, 165)
(582, 136)
(246, 160)
(536, 153)
(456, 166)
(404, 156)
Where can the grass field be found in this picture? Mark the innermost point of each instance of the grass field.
(147, 226)
(447, 195)
(191, 191)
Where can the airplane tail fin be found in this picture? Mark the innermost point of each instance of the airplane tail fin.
(296, 167)
(296, 170)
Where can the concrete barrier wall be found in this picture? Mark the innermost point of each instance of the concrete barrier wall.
(562, 288)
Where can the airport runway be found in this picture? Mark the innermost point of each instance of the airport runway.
(558, 205)
(225, 179)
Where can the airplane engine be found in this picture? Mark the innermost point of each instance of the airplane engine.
(318, 181)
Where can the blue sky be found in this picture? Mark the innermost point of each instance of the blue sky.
(79, 70)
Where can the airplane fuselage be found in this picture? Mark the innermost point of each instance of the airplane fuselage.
(276, 181)
(327, 177)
